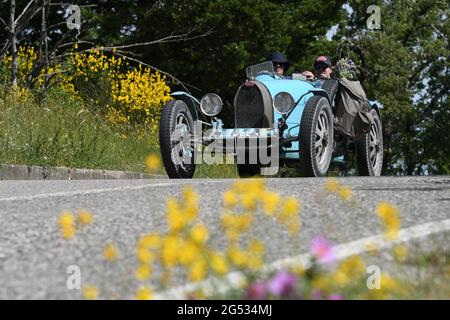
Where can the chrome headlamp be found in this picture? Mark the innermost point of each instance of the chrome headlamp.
(211, 104)
(283, 102)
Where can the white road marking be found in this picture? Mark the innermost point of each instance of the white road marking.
(103, 190)
(341, 251)
(83, 192)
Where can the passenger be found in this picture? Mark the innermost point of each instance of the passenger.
(322, 69)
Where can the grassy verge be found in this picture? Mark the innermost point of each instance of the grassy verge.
(62, 132)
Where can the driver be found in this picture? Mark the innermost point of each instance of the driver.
(280, 64)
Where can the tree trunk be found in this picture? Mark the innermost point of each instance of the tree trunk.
(44, 43)
(12, 31)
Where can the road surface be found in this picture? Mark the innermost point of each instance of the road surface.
(34, 258)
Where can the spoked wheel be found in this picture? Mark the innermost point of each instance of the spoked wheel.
(176, 131)
(316, 137)
(369, 149)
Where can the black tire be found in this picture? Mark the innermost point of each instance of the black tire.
(369, 149)
(170, 142)
(315, 149)
(248, 170)
(331, 87)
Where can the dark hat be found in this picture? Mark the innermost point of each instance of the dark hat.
(322, 59)
(278, 57)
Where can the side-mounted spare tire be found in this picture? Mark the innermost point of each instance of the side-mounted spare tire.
(316, 137)
(369, 148)
(176, 133)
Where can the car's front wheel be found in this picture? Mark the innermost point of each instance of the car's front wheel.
(369, 149)
(316, 137)
(176, 131)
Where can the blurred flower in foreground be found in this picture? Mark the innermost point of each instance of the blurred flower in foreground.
(345, 193)
(85, 217)
(335, 296)
(144, 293)
(110, 252)
(390, 217)
(332, 185)
(282, 283)
(257, 291)
(67, 225)
(90, 292)
(152, 162)
(400, 253)
(322, 249)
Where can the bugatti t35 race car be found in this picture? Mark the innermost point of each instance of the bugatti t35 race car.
(278, 122)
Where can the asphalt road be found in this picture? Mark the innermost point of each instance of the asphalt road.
(34, 258)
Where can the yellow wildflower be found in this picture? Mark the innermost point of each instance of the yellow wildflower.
(144, 255)
(197, 270)
(67, 225)
(110, 252)
(293, 228)
(256, 247)
(230, 199)
(85, 217)
(270, 202)
(249, 201)
(400, 253)
(176, 218)
(143, 272)
(144, 293)
(188, 253)
(237, 256)
(152, 162)
(332, 185)
(170, 248)
(199, 234)
(219, 264)
(291, 207)
(190, 197)
(345, 193)
(90, 292)
(150, 241)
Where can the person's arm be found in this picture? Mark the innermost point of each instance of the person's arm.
(309, 75)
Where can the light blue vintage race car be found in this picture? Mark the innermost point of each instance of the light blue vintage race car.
(278, 122)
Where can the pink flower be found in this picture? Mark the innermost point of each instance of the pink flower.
(316, 294)
(282, 283)
(335, 296)
(322, 249)
(257, 291)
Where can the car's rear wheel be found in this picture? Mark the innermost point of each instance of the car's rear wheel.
(316, 137)
(176, 130)
(369, 149)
